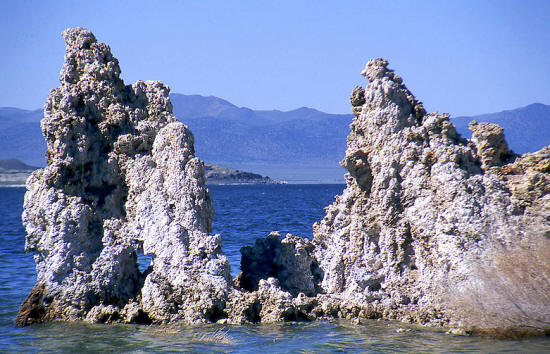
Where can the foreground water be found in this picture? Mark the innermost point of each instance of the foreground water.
(243, 213)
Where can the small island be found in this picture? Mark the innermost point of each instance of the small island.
(14, 173)
(223, 175)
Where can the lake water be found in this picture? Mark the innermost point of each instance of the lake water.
(243, 213)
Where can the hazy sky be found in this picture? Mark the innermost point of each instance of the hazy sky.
(461, 57)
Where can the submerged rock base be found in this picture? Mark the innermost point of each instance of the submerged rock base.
(423, 210)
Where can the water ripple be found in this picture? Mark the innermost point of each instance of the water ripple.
(243, 213)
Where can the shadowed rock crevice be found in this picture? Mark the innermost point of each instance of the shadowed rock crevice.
(289, 260)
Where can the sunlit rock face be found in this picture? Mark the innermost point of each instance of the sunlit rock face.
(422, 204)
(121, 179)
(421, 210)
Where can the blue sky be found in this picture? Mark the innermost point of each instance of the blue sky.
(461, 57)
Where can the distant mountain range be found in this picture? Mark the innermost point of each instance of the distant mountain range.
(21, 137)
(14, 164)
(527, 129)
(299, 145)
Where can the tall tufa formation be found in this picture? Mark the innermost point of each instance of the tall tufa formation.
(422, 205)
(423, 211)
(121, 179)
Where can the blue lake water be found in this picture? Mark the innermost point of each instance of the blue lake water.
(242, 214)
(245, 213)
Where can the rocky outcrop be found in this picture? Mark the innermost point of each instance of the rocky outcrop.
(15, 173)
(422, 205)
(121, 179)
(289, 260)
(491, 146)
(224, 175)
(421, 209)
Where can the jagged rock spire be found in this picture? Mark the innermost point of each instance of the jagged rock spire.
(421, 204)
(121, 179)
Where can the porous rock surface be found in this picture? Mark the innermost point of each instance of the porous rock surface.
(289, 260)
(422, 204)
(421, 207)
(121, 179)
